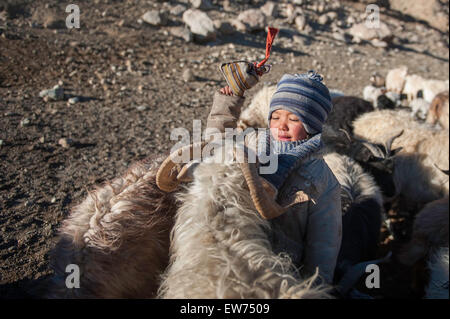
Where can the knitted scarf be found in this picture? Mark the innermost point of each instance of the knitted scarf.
(290, 155)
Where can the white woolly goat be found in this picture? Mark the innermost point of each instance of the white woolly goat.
(371, 94)
(220, 245)
(255, 115)
(119, 238)
(413, 84)
(415, 175)
(395, 79)
(419, 108)
(354, 181)
(437, 265)
(434, 87)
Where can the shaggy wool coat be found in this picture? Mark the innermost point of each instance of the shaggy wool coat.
(310, 231)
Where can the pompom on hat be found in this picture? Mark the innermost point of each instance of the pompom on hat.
(305, 96)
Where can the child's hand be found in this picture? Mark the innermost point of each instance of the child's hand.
(226, 91)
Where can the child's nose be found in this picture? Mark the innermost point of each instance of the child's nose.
(283, 125)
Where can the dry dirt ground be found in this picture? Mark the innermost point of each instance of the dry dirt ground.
(129, 78)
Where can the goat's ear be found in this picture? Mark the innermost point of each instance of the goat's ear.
(395, 151)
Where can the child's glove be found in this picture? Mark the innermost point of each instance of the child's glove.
(242, 75)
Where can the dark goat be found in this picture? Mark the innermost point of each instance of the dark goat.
(345, 110)
(376, 159)
(362, 215)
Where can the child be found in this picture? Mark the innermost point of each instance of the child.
(298, 109)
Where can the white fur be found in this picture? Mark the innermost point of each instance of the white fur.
(395, 79)
(372, 93)
(220, 246)
(419, 108)
(413, 84)
(415, 174)
(255, 115)
(434, 87)
(352, 177)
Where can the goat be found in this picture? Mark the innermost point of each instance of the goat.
(255, 115)
(372, 93)
(118, 237)
(439, 110)
(363, 213)
(430, 231)
(413, 85)
(434, 87)
(395, 79)
(429, 242)
(415, 175)
(376, 159)
(345, 110)
(220, 245)
(419, 108)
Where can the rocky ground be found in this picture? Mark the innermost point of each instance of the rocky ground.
(130, 77)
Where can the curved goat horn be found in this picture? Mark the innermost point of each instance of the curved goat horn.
(347, 134)
(374, 149)
(166, 177)
(446, 172)
(260, 191)
(265, 204)
(390, 141)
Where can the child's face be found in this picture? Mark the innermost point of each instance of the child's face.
(286, 126)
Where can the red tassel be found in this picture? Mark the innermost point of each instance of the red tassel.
(271, 34)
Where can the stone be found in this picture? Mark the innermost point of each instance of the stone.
(52, 20)
(378, 43)
(177, 10)
(188, 75)
(323, 19)
(239, 26)
(200, 25)
(74, 100)
(224, 27)
(142, 107)
(65, 142)
(154, 17)
(270, 9)
(362, 32)
(435, 12)
(254, 19)
(300, 22)
(55, 94)
(24, 122)
(202, 4)
(182, 32)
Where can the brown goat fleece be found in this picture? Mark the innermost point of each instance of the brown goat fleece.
(118, 237)
(439, 110)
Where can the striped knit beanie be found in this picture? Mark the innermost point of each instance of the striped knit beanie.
(305, 96)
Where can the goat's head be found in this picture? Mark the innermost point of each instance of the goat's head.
(377, 158)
